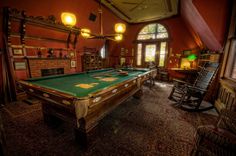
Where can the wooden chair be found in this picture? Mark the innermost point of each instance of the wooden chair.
(190, 96)
(162, 74)
(219, 140)
(152, 78)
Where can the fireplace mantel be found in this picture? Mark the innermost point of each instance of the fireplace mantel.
(46, 58)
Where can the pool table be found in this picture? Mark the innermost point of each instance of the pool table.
(85, 98)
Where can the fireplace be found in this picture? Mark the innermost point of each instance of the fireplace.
(38, 67)
(52, 71)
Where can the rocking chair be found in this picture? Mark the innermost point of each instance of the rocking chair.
(190, 96)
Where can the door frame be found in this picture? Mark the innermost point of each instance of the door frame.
(157, 54)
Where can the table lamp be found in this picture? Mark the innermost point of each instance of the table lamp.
(191, 58)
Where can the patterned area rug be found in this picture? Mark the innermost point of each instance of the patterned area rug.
(149, 126)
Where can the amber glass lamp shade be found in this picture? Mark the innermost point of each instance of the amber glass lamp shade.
(120, 28)
(118, 37)
(68, 19)
(85, 32)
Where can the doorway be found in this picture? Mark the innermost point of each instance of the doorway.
(152, 53)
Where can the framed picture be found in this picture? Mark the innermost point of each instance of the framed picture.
(72, 64)
(17, 51)
(20, 65)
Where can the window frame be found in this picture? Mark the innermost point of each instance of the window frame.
(155, 33)
(230, 59)
(153, 41)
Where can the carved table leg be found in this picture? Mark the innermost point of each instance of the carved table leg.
(81, 135)
(81, 138)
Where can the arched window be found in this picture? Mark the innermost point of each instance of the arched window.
(152, 45)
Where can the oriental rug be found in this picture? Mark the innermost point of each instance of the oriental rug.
(149, 126)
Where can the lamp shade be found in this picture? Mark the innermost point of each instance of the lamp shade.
(118, 37)
(192, 57)
(85, 32)
(68, 19)
(120, 28)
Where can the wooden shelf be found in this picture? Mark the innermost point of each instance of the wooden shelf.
(92, 62)
(46, 58)
(211, 57)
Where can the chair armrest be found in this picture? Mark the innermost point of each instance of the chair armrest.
(195, 89)
(178, 82)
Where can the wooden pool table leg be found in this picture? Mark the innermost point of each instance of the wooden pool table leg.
(81, 138)
(51, 120)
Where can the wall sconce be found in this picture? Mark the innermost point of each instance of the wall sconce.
(68, 19)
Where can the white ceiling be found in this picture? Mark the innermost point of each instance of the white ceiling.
(137, 11)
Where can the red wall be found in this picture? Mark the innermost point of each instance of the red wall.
(80, 8)
(215, 13)
(208, 19)
(205, 24)
(180, 38)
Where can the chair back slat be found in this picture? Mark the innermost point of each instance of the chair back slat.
(206, 75)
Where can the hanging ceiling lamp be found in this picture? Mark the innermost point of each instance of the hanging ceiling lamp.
(68, 19)
(119, 29)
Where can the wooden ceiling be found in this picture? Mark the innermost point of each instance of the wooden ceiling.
(137, 11)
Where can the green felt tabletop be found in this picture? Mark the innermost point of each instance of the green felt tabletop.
(69, 83)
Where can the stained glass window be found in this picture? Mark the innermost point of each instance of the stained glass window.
(150, 52)
(162, 54)
(153, 31)
(139, 54)
(154, 50)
